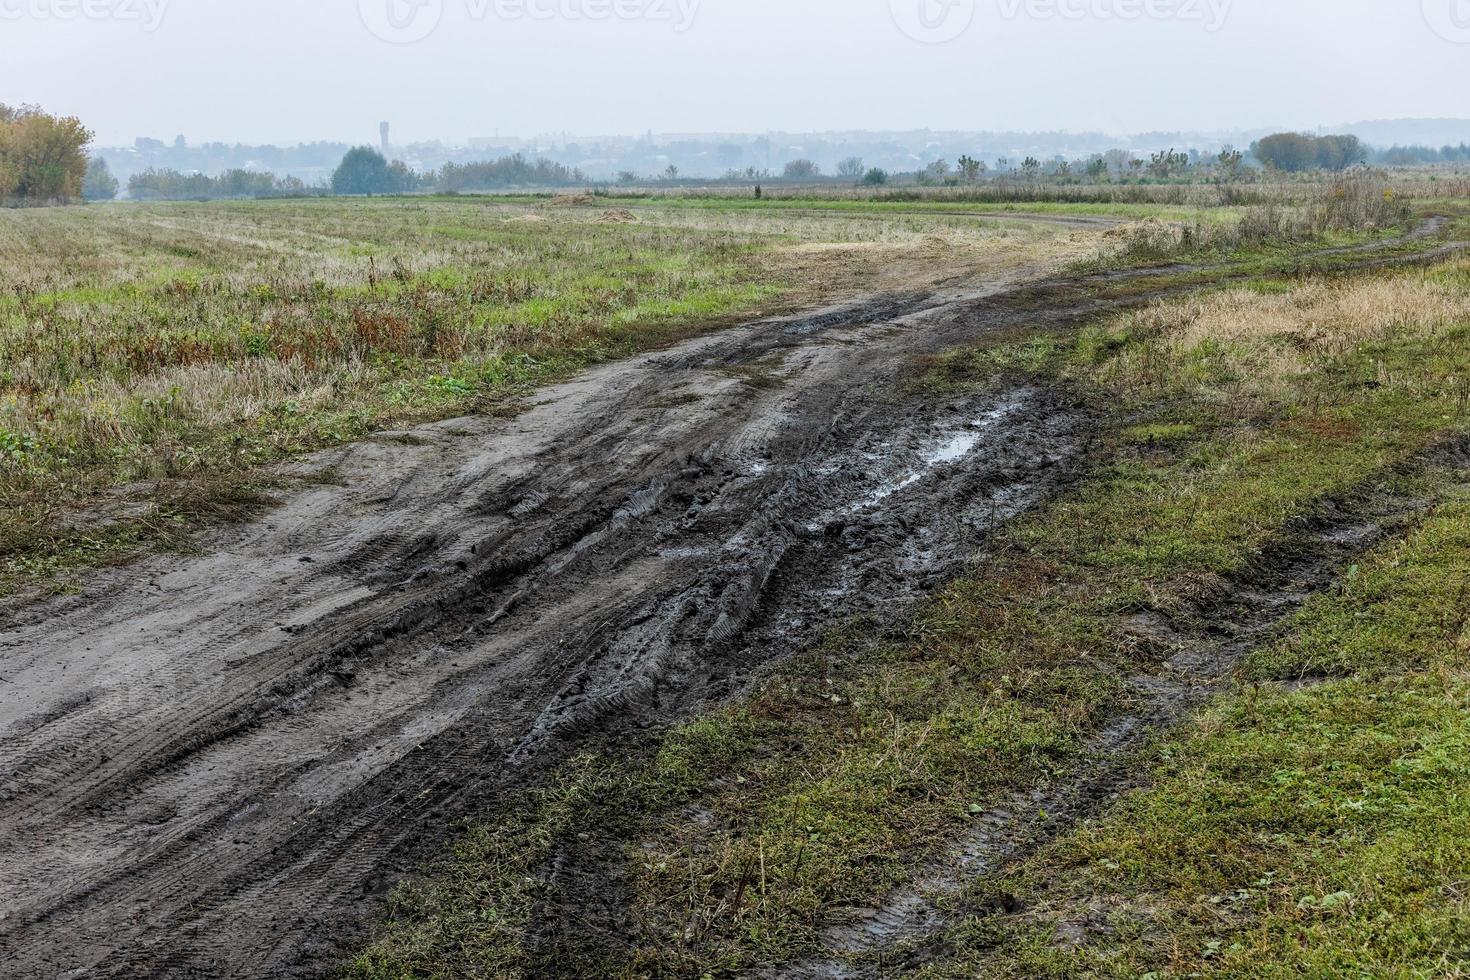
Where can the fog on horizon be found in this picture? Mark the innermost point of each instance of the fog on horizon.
(282, 71)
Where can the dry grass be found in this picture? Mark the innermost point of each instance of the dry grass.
(1268, 345)
(1345, 211)
(921, 262)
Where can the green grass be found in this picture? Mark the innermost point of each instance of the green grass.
(1314, 832)
(177, 342)
(824, 787)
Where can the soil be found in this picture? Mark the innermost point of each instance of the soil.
(216, 765)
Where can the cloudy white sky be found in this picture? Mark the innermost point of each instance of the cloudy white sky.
(290, 70)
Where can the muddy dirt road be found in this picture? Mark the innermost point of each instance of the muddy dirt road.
(212, 766)
(215, 766)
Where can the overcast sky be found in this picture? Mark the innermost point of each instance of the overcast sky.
(292, 70)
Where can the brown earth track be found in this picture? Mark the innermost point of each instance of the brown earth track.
(213, 766)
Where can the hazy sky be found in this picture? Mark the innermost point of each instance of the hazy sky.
(290, 70)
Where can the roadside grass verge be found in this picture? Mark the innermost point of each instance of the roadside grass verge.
(738, 836)
(1317, 831)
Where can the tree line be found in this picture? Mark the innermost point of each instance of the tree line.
(171, 185)
(1408, 156)
(363, 171)
(43, 158)
(366, 171)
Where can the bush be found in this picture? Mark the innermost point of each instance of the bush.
(366, 171)
(801, 170)
(512, 171)
(875, 177)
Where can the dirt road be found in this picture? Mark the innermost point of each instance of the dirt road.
(212, 765)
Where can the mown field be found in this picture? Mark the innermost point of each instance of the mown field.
(152, 357)
(1308, 820)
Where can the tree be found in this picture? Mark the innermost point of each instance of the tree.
(1292, 152)
(1340, 152)
(1031, 168)
(1117, 161)
(43, 158)
(875, 177)
(1167, 163)
(671, 172)
(851, 167)
(1097, 168)
(802, 170)
(971, 169)
(366, 171)
(1231, 162)
(99, 184)
(171, 185)
(933, 174)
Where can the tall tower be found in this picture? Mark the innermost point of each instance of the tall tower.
(383, 137)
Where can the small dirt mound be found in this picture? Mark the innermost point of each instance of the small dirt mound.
(571, 201)
(618, 216)
(527, 219)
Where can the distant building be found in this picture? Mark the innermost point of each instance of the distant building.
(383, 137)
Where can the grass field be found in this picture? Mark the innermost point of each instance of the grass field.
(183, 345)
(156, 358)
